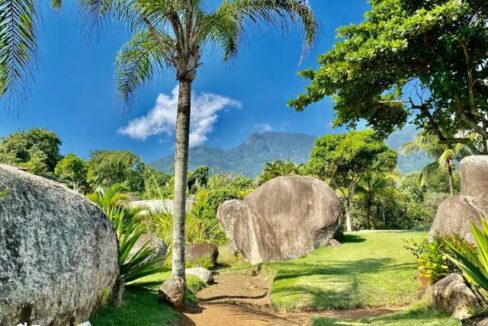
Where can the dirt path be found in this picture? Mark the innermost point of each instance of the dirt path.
(241, 300)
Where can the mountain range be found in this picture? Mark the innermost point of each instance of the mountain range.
(249, 157)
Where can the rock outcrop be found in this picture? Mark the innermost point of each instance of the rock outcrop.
(150, 241)
(451, 295)
(202, 273)
(172, 291)
(455, 214)
(196, 254)
(285, 218)
(58, 252)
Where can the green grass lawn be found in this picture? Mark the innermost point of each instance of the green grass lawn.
(140, 307)
(370, 269)
(414, 317)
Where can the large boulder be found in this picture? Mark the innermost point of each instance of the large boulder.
(285, 218)
(455, 214)
(197, 254)
(474, 176)
(453, 296)
(152, 242)
(58, 252)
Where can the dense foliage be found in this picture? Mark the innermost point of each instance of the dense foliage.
(37, 150)
(420, 59)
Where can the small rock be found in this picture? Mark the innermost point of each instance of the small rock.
(335, 244)
(453, 296)
(196, 253)
(151, 242)
(202, 273)
(173, 291)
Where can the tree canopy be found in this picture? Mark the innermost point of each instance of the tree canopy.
(408, 59)
(34, 149)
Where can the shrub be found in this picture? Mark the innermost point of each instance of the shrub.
(432, 262)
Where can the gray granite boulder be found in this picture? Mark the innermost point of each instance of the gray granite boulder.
(455, 214)
(172, 291)
(58, 252)
(150, 241)
(202, 273)
(195, 254)
(453, 296)
(285, 218)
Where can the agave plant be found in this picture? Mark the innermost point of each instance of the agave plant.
(473, 261)
(134, 266)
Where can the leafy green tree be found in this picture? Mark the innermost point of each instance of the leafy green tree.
(343, 160)
(374, 187)
(174, 33)
(198, 179)
(157, 185)
(108, 168)
(276, 169)
(35, 149)
(445, 155)
(73, 171)
(18, 43)
(420, 59)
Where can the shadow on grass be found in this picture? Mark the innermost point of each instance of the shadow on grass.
(344, 283)
(351, 238)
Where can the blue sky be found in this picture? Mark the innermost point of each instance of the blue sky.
(74, 90)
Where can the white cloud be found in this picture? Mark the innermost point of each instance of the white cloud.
(161, 119)
(263, 127)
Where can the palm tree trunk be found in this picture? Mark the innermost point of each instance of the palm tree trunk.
(451, 178)
(181, 169)
(348, 216)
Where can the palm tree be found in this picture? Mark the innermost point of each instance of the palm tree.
(18, 19)
(374, 185)
(173, 33)
(444, 155)
(276, 169)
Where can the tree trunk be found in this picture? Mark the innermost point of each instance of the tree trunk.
(451, 178)
(348, 216)
(368, 212)
(181, 169)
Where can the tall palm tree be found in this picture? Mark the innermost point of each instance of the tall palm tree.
(444, 155)
(18, 19)
(375, 185)
(173, 33)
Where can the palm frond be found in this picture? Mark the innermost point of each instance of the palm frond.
(139, 59)
(17, 44)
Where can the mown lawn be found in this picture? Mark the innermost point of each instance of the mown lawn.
(370, 269)
(421, 316)
(140, 307)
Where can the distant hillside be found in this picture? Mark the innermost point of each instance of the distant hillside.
(248, 158)
(411, 162)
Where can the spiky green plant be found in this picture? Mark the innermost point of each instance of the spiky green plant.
(136, 266)
(473, 261)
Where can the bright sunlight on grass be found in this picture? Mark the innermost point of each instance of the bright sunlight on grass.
(370, 269)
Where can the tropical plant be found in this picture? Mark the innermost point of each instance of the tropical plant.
(276, 169)
(445, 155)
(173, 33)
(472, 260)
(432, 261)
(376, 186)
(18, 43)
(107, 198)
